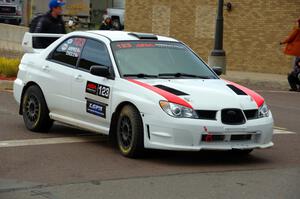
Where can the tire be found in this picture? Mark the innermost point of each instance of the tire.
(130, 133)
(15, 22)
(35, 110)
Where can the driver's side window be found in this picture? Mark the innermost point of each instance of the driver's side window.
(94, 53)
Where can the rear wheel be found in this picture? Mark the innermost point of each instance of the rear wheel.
(130, 138)
(35, 110)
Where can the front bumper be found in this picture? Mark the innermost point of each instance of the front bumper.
(10, 17)
(194, 134)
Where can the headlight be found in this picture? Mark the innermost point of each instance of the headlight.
(176, 110)
(263, 111)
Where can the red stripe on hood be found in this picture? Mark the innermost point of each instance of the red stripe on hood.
(257, 98)
(169, 96)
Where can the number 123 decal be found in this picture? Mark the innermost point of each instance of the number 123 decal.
(97, 89)
(103, 91)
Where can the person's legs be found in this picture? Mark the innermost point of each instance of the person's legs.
(293, 82)
(298, 83)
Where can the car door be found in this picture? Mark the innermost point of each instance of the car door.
(60, 66)
(92, 94)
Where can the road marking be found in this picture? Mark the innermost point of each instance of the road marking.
(280, 131)
(43, 141)
(280, 128)
(81, 139)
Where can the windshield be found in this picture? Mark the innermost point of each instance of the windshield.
(148, 59)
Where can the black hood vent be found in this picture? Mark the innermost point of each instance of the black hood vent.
(171, 90)
(236, 90)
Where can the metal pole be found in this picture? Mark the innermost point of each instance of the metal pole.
(218, 48)
(217, 56)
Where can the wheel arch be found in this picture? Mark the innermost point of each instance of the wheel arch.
(114, 118)
(29, 84)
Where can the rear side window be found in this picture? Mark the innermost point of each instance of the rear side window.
(94, 53)
(69, 51)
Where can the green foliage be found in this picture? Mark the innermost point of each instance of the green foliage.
(9, 67)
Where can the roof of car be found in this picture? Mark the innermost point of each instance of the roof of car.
(123, 35)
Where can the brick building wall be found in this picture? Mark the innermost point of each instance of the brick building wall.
(252, 30)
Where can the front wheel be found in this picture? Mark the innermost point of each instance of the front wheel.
(35, 110)
(130, 133)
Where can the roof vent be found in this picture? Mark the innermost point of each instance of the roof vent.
(143, 35)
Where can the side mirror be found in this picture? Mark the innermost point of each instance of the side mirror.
(218, 70)
(101, 71)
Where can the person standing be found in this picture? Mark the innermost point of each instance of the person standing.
(293, 48)
(51, 22)
(106, 23)
(294, 76)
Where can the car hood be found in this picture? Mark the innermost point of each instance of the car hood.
(206, 94)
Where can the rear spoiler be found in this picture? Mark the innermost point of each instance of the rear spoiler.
(28, 44)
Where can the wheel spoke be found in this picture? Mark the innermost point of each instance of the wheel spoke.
(32, 108)
(125, 132)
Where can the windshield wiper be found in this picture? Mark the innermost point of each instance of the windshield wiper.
(183, 75)
(139, 75)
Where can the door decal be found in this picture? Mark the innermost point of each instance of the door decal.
(97, 89)
(96, 108)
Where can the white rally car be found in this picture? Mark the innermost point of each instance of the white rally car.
(146, 91)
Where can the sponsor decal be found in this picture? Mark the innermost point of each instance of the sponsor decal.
(91, 88)
(95, 108)
(70, 41)
(73, 51)
(64, 47)
(73, 46)
(124, 45)
(97, 89)
(79, 42)
(169, 46)
(144, 45)
(103, 91)
(148, 45)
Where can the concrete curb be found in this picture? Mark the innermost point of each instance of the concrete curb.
(261, 84)
(258, 81)
(6, 85)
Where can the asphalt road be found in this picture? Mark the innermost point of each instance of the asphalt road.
(71, 163)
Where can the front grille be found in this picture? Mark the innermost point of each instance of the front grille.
(232, 117)
(206, 114)
(241, 137)
(7, 9)
(251, 114)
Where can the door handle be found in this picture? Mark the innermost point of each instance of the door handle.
(78, 77)
(46, 68)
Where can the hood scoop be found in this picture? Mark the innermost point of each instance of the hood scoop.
(236, 90)
(171, 90)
